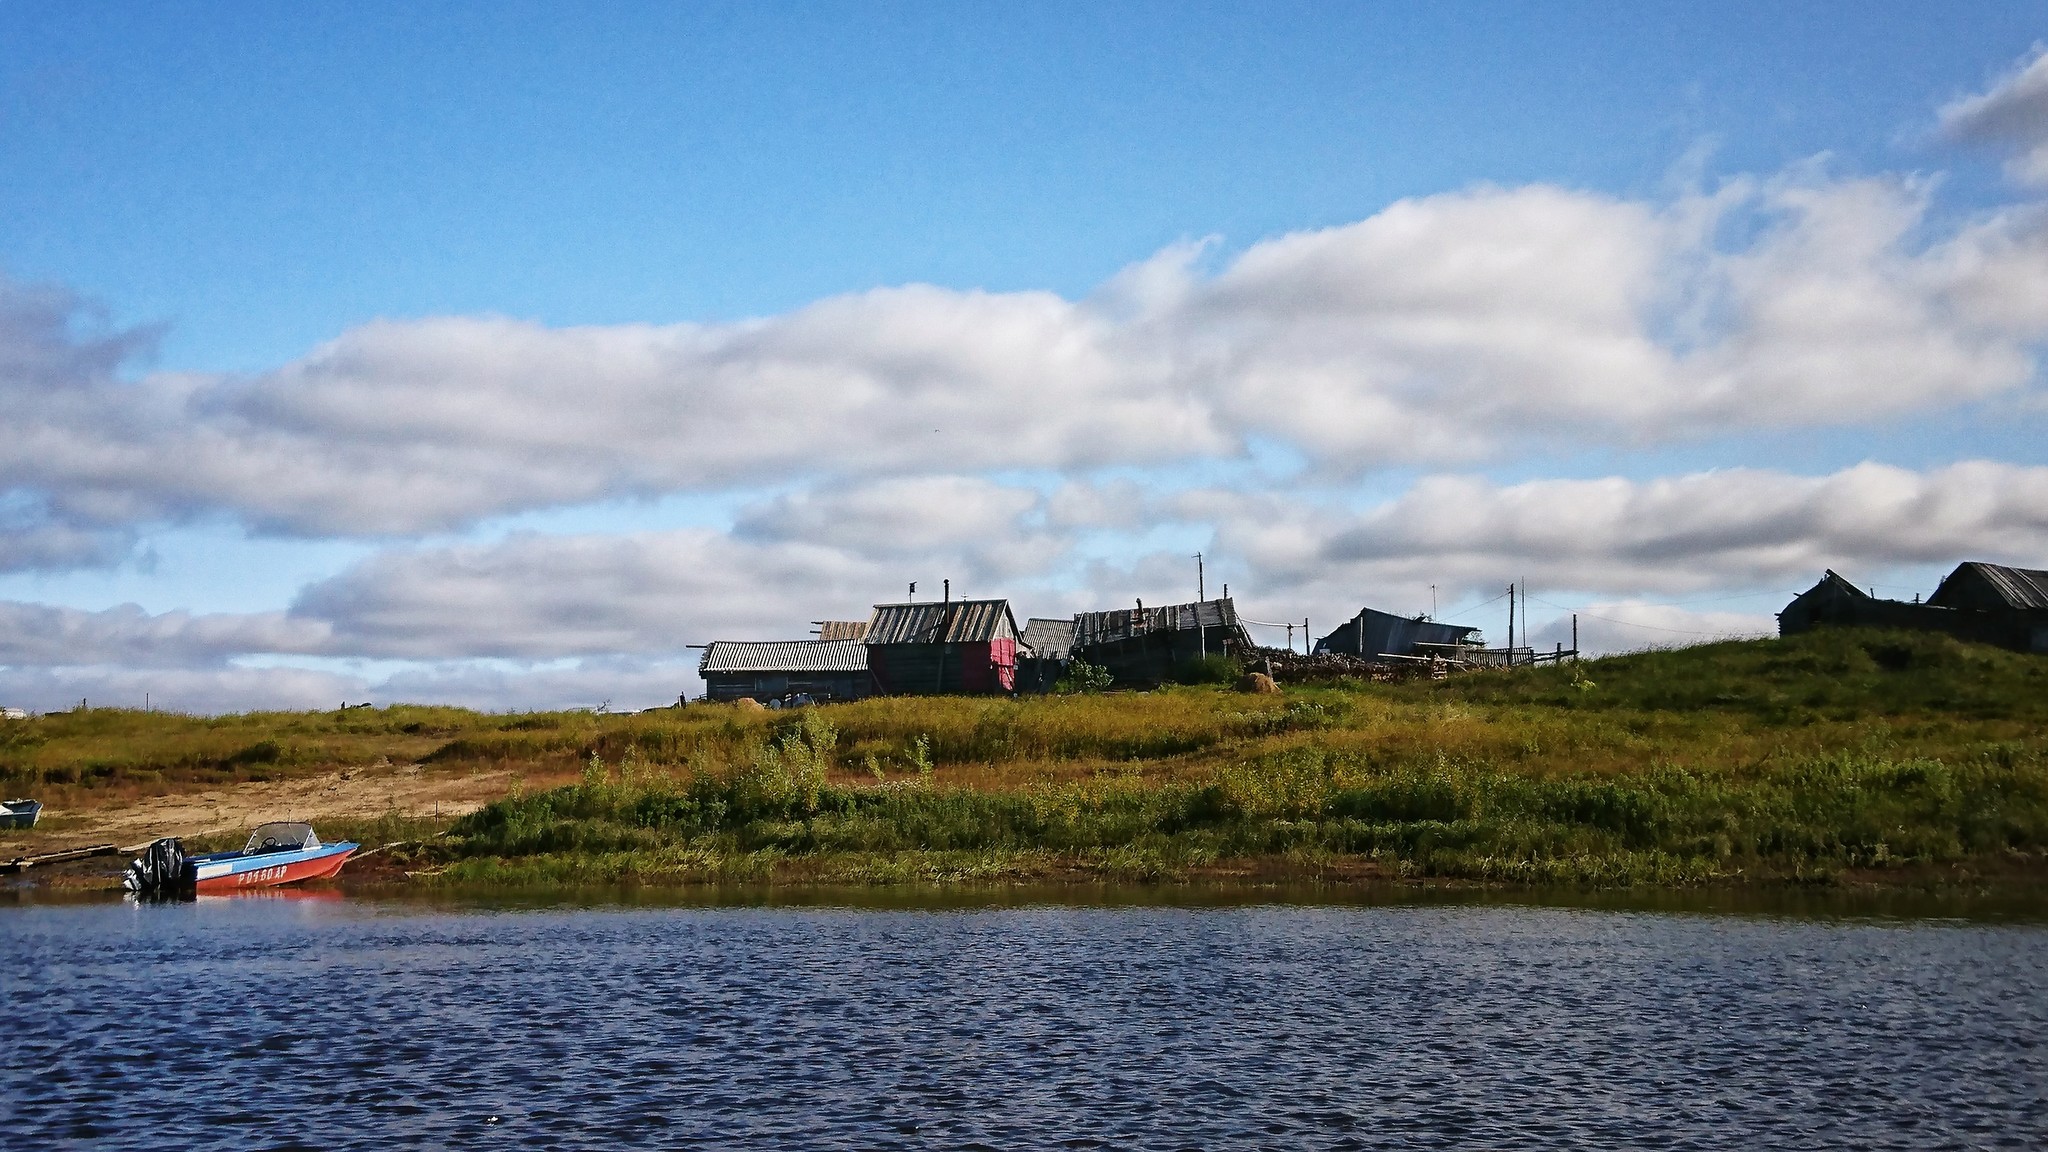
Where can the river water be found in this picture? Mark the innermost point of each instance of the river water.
(331, 1023)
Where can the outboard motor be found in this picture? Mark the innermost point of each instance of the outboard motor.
(160, 871)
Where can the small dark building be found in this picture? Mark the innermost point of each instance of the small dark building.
(967, 646)
(1372, 634)
(1141, 646)
(1986, 603)
(1044, 653)
(773, 669)
(1975, 587)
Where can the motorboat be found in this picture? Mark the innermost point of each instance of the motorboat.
(19, 813)
(283, 852)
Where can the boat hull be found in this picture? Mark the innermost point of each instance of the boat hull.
(238, 873)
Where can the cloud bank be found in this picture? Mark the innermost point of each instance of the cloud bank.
(1450, 330)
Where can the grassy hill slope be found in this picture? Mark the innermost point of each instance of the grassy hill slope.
(1893, 757)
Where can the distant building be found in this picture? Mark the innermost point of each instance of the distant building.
(1987, 603)
(1044, 653)
(1373, 634)
(1141, 646)
(842, 629)
(773, 669)
(964, 646)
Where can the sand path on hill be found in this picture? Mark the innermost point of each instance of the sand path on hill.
(349, 792)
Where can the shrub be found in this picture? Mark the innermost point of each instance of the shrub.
(1082, 677)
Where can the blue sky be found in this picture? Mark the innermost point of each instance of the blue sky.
(289, 211)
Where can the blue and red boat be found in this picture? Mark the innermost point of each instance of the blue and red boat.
(279, 853)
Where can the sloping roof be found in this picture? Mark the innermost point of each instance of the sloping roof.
(1376, 633)
(941, 622)
(785, 656)
(2024, 588)
(1049, 637)
(1125, 623)
(842, 629)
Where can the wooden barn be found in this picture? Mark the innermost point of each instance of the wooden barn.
(775, 669)
(1987, 603)
(963, 646)
(1044, 654)
(1142, 646)
(1373, 634)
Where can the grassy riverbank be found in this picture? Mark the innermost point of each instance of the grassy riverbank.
(1847, 756)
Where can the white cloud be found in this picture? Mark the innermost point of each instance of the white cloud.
(2012, 114)
(1739, 528)
(624, 607)
(988, 531)
(1442, 330)
(41, 634)
(1628, 626)
(201, 690)
(536, 597)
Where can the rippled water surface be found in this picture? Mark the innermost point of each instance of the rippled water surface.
(338, 1023)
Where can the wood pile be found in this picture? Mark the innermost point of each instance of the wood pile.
(1296, 668)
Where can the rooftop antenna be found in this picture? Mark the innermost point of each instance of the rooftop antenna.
(913, 591)
(949, 590)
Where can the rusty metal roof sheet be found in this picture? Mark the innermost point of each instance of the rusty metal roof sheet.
(842, 629)
(1126, 623)
(1049, 637)
(784, 656)
(942, 622)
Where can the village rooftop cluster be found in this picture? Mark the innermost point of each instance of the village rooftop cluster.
(975, 647)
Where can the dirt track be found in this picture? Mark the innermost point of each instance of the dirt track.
(350, 793)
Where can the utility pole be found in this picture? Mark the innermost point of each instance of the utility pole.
(1432, 601)
(1201, 589)
(1575, 637)
(1511, 625)
(1305, 641)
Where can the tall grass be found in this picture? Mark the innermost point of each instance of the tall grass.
(1804, 818)
(1787, 758)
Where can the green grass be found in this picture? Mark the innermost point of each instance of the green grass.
(1308, 806)
(1842, 754)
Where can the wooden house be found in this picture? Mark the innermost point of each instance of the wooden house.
(1143, 646)
(1986, 603)
(1373, 634)
(964, 646)
(775, 669)
(1046, 650)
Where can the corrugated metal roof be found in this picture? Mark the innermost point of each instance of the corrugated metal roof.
(2018, 587)
(842, 629)
(785, 656)
(1049, 637)
(1125, 623)
(941, 622)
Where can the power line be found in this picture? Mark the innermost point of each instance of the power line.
(1476, 607)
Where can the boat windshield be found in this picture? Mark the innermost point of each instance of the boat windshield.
(281, 837)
